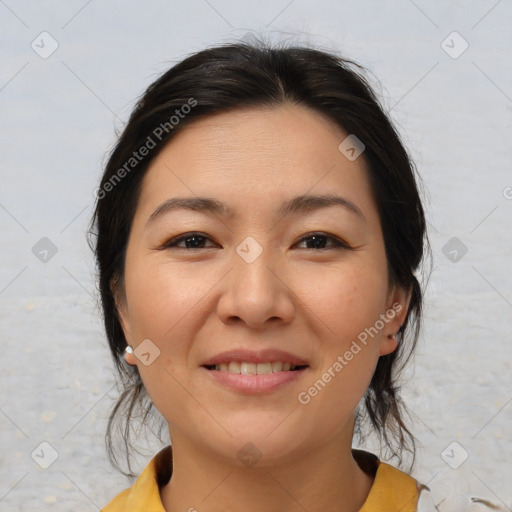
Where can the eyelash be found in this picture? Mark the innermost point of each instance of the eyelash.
(337, 243)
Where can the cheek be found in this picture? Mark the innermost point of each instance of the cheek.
(162, 302)
(167, 305)
(347, 300)
(348, 303)
(159, 297)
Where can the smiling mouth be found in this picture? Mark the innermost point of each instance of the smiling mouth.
(246, 368)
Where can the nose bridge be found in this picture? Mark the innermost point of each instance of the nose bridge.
(254, 293)
(252, 262)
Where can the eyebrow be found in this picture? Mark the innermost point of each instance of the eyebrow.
(299, 204)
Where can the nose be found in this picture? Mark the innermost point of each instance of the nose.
(255, 293)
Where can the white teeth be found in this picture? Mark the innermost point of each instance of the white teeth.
(277, 366)
(254, 368)
(263, 368)
(234, 367)
(247, 368)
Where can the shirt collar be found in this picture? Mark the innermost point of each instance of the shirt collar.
(392, 489)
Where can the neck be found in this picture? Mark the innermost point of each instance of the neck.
(316, 481)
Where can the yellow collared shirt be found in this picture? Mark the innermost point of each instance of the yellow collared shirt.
(392, 489)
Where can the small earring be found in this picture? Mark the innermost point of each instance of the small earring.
(128, 350)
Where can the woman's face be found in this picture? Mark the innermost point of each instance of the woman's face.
(271, 270)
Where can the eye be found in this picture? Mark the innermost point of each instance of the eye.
(313, 241)
(318, 241)
(191, 240)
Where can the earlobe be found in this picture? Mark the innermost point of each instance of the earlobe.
(119, 305)
(398, 306)
(388, 345)
(129, 357)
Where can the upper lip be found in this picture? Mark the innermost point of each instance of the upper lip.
(251, 356)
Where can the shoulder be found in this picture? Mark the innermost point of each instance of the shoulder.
(392, 488)
(144, 494)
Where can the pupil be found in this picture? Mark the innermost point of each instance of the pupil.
(198, 240)
(318, 241)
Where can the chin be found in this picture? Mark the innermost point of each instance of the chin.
(264, 449)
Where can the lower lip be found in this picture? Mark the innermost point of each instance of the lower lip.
(254, 383)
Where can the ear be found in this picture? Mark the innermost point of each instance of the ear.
(397, 307)
(122, 314)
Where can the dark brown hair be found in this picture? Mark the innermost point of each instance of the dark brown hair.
(239, 75)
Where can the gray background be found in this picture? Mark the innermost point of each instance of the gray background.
(59, 114)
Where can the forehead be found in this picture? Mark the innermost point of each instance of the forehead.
(287, 131)
(246, 154)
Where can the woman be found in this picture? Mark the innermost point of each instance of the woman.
(258, 230)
